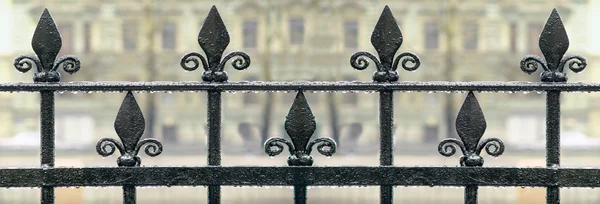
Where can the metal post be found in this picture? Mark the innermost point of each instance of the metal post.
(471, 194)
(300, 194)
(214, 141)
(553, 141)
(129, 194)
(386, 155)
(47, 140)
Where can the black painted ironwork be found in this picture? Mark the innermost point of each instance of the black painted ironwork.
(213, 39)
(470, 125)
(300, 124)
(130, 126)
(46, 44)
(553, 43)
(387, 39)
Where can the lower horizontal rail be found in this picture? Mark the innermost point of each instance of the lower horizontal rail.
(289, 176)
(294, 86)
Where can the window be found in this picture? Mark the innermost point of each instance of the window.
(351, 136)
(354, 131)
(168, 99)
(312, 98)
(169, 133)
(524, 129)
(470, 35)
(250, 98)
(513, 37)
(66, 32)
(351, 34)
(245, 131)
(87, 35)
(288, 99)
(350, 98)
(130, 34)
(432, 35)
(169, 38)
(533, 35)
(296, 31)
(74, 127)
(249, 33)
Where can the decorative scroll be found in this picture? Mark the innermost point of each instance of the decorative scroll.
(470, 126)
(46, 44)
(553, 43)
(129, 125)
(300, 125)
(387, 39)
(213, 39)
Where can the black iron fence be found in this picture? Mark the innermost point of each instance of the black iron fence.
(300, 123)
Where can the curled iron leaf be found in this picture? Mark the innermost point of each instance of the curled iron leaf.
(530, 64)
(407, 57)
(493, 147)
(274, 146)
(326, 146)
(240, 62)
(70, 64)
(193, 58)
(24, 63)
(153, 147)
(576, 63)
(448, 147)
(107, 146)
(359, 62)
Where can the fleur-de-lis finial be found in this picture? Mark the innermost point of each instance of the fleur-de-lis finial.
(470, 126)
(213, 39)
(387, 39)
(129, 126)
(46, 44)
(300, 125)
(553, 43)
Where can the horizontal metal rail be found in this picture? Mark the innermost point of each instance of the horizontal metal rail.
(303, 85)
(289, 176)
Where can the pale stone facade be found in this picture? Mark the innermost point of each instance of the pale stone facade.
(306, 40)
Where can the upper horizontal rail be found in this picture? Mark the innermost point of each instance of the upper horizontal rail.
(160, 86)
(287, 176)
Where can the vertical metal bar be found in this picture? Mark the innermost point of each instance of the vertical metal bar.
(553, 141)
(47, 140)
(300, 194)
(471, 194)
(129, 194)
(386, 154)
(214, 141)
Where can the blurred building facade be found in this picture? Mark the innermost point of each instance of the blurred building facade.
(143, 40)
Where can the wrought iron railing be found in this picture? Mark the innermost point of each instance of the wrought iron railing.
(300, 123)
